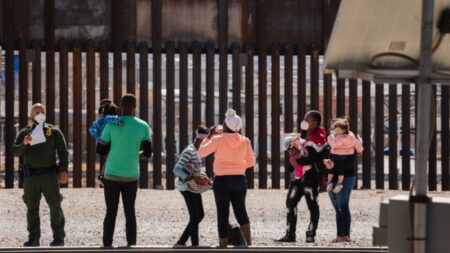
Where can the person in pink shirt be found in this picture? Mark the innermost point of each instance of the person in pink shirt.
(292, 142)
(233, 155)
(343, 144)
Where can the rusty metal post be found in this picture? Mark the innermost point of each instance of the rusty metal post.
(157, 137)
(223, 56)
(445, 137)
(36, 74)
(379, 135)
(393, 174)
(210, 89)
(90, 113)
(8, 17)
(183, 124)
(131, 68)
(301, 86)
(261, 22)
(77, 116)
(366, 135)
(143, 105)
(275, 116)
(104, 69)
(196, 86)
(288, 107)
(170, 118)
(249, 109)
(49, 31)
(237, 75)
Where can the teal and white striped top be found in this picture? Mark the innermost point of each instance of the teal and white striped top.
(189, 154)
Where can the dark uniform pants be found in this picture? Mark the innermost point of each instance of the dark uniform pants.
(34, 187)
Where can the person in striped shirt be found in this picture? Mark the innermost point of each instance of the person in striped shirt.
(189, 157)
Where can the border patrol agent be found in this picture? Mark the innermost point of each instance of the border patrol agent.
(42, 175)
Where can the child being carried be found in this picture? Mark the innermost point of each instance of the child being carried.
(107, 113)
(343, 145)
(296, 146)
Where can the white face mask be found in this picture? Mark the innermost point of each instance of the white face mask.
(40, 118)
(304, 125)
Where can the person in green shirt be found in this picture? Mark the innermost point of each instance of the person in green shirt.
(42, 174)
(122, 167)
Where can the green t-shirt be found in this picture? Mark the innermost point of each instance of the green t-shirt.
(123, 157)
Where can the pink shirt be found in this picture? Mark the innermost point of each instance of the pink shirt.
(233, 153)
(344, 144)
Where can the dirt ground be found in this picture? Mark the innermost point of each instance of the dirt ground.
(162, 216)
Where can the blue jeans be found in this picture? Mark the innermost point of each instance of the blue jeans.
(340, 203)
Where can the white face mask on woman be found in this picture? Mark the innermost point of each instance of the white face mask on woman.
(40, 118)
(304, 125)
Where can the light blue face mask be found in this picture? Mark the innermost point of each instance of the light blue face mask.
(332, 132)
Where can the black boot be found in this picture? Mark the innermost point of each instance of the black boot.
(57, 243)
(310, 237)
(286, 238)
(31, 243)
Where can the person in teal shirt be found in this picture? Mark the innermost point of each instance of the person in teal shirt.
(127, 144)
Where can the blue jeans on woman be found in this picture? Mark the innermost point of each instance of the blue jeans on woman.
(340, 203)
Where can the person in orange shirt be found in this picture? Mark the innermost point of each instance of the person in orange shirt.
(233, 154)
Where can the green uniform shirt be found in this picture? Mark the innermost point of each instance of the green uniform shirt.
(43, 155)
(123, 157)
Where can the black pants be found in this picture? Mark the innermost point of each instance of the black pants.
(113, 189)
(339, 160)
(230, 189)
(297, 190)
(195, 208)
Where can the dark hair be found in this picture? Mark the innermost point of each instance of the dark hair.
(202, 129)
(105, 101)
(342, 123)
(316, 115)
(129, 100)
(111, 109)
(107, 107)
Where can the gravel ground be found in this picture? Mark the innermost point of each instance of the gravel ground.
(162, 216)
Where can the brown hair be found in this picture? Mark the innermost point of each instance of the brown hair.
(342, 123)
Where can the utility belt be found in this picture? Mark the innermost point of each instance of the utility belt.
(28, 171)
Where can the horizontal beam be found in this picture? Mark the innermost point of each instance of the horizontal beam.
(200, 249)
(306, 48)
(392, 76)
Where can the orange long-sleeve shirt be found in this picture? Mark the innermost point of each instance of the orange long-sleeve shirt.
(233, 153)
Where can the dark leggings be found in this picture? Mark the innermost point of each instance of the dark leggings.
(113, 189)
(196, 214)
(297, 190)
(230, 189)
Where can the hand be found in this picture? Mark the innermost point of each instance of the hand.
(360, 154)
(306, 167)
(294, 163)
(212, 132)
(63, 177)
(200, 181)
(328, 164)
(27, 140)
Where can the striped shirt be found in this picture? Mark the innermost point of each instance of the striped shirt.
(189, 154)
